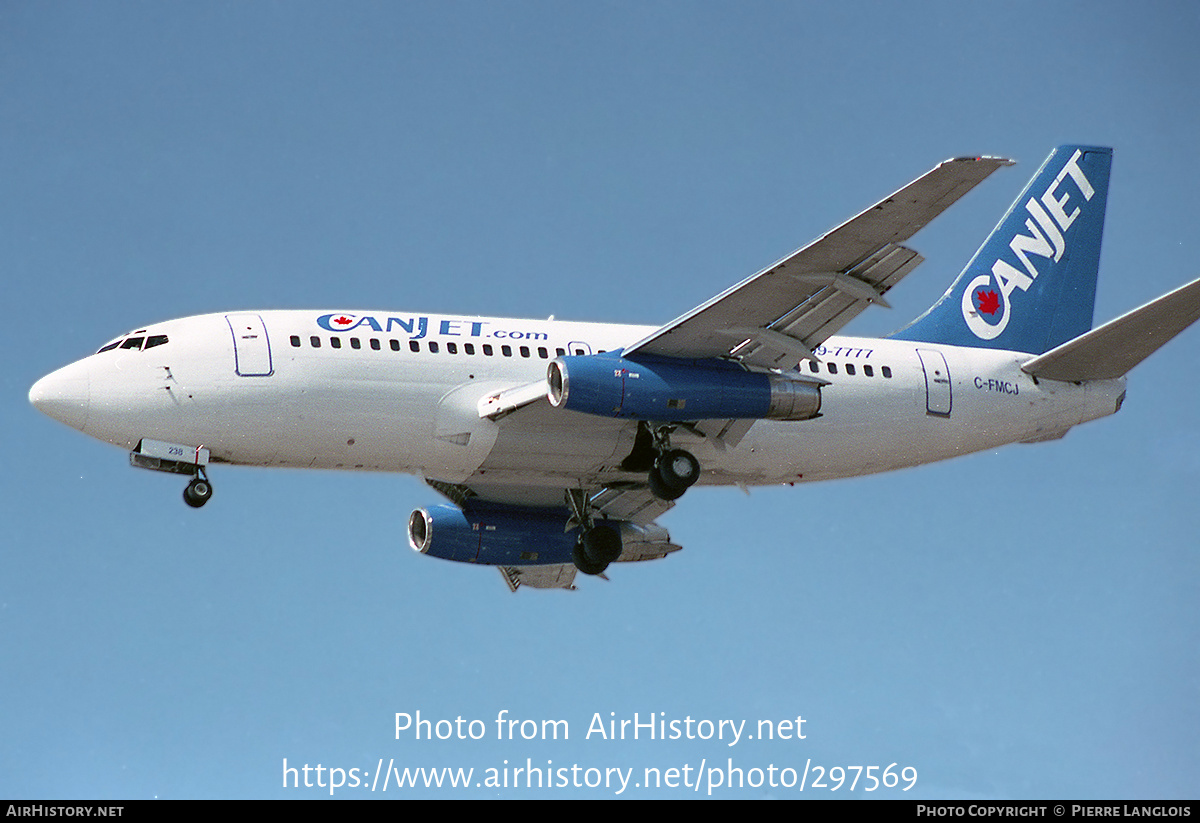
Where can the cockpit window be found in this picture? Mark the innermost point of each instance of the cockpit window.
(132, 342)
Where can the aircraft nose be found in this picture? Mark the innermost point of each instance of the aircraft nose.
(64, 395)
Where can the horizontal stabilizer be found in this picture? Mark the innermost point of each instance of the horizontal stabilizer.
(1116, 347)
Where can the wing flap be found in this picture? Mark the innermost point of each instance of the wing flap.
(838, 299)
(637, 505)
(539, 577)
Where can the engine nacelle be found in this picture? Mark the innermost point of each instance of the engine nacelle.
(498, 535)
(669, 389)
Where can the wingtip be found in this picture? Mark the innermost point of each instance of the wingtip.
(984, 158)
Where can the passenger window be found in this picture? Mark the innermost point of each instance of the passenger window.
(355, 343)
(814, 366)
(487, 349)
(581, 351)
(395, 344)
(433, 346)
(560, 351)
(413, 345)
(849, 368)
(833, 368)
(315, 341)
(524, 351)
(374, 344)
(295, 341)
(868, 371)
(887, 371)
(469, 348)
(336, 342)
(452, 348)
(542, 353)
(506, 351)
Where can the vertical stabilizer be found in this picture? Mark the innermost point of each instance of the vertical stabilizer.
(1032, 284)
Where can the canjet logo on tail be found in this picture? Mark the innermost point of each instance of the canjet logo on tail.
(986, 301)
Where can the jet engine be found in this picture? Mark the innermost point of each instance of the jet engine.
(500, 535)
(668, 389)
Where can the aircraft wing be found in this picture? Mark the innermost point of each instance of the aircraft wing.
(788, 309)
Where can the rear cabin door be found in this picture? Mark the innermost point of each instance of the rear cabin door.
(937, 382)
(251, 348)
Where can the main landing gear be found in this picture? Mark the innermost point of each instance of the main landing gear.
(597, 547)
(198, 491)
(674, 472)
(599, 542)
(669, 471)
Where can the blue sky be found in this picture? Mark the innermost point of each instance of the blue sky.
(1021, 623)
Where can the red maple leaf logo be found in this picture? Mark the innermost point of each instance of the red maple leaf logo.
(343, 320)
(989, 301)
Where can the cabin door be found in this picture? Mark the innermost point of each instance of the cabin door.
(937, 382)
(251, 347)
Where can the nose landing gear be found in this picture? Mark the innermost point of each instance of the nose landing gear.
(176, 458)
(198, 491)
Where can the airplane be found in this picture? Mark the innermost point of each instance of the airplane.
(559, 444)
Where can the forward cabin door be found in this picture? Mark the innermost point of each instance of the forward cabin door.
(251, 347)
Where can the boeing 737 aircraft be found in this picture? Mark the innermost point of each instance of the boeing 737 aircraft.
(559, 444)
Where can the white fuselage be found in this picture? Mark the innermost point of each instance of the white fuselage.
(367, 391)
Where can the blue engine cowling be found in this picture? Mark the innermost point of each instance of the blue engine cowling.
(493, 535)
(660, 388)
(498, 535)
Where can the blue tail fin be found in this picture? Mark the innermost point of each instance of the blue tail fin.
(1032, 284)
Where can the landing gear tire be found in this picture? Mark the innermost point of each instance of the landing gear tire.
(661, 490)
(674, 472)
(602, 544)
(678, 468)
(584, 563)
(197, 493)
(599, 546)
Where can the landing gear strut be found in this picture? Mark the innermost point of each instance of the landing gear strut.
(198, 491)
